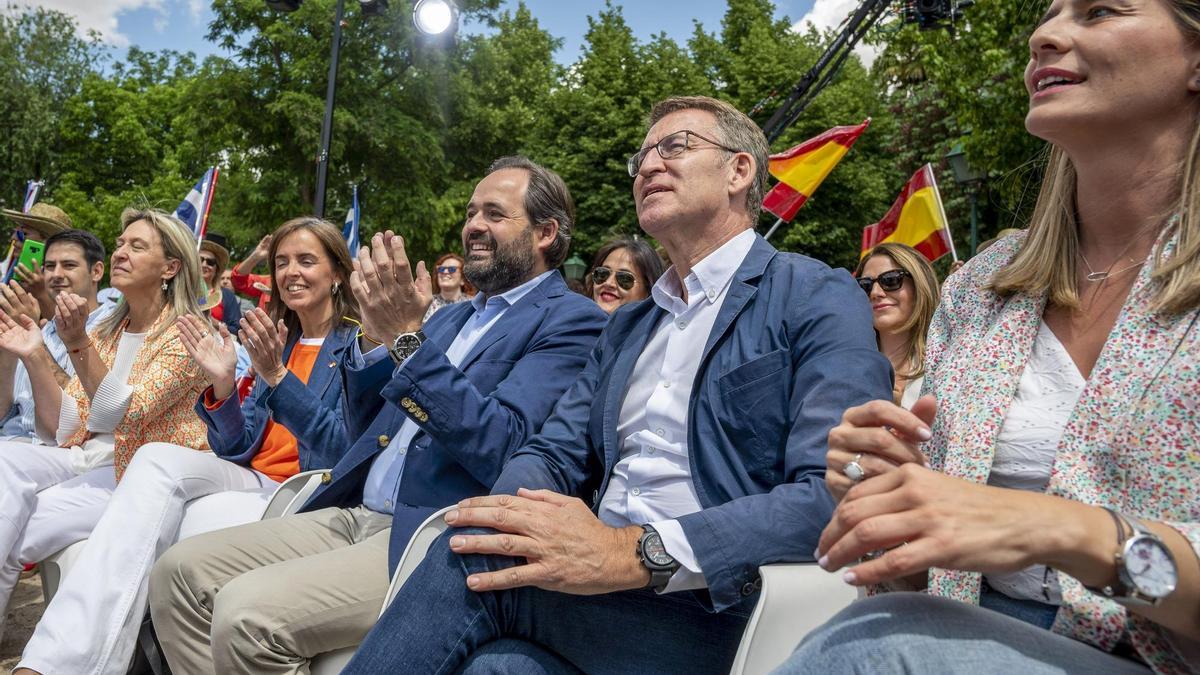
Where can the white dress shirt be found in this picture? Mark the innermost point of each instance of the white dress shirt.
(383, 479)
(652, 482)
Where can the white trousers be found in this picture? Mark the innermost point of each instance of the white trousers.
(91, 624)
(44, 507)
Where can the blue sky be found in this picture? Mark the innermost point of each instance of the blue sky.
(182, 24)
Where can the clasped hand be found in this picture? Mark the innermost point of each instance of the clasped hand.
(565, 546)
(391, 299)
(918, 517)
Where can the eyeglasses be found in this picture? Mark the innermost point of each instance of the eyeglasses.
(447, 269)
(625, 279)
(890, 280)
(208, 262)
(670, 147)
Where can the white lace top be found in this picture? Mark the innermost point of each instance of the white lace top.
(1025, 447)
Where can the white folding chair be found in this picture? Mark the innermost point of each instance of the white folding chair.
(795, 598)
(333, 662)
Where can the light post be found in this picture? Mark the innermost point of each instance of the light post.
(970, 180)
(431, 17)
(574, 267)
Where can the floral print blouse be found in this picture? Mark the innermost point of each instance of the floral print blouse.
(1131, 443)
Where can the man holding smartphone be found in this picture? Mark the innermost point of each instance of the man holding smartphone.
(40, 222)
(74, 263)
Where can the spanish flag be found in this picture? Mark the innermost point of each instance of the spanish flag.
(801, 169)
(916, 218)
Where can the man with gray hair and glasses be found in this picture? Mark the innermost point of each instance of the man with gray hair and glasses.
(627, 536)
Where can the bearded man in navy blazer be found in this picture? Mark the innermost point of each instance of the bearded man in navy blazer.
(696, 434)
(436, 410)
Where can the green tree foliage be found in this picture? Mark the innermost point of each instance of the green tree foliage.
(418, 122)
(42, 64)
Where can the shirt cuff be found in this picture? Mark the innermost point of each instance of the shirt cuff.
(109, 404)
(689, 576)
(360, 360)
(68, 421)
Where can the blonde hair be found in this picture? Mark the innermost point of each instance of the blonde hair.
(183, 290)
(925, 300)
(1046, 262)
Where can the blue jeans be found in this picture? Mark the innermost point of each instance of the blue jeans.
(918, 633)
(437, 625)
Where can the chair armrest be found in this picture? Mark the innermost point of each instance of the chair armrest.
(293, 492)
(55, 568)
(415, 551)
(795, 599)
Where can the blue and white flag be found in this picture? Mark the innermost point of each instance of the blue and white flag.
(31, 195)
(193, 211)
(350, 229)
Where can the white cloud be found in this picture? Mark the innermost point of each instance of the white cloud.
(101, 15)
(196, 9)
(829, 14)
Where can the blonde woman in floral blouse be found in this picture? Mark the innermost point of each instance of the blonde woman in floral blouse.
(1061, 424)
(135, 383)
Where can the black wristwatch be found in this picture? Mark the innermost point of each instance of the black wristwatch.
(405, 345)
(654, 557)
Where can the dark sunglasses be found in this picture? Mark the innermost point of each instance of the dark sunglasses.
(210, 262)
(625, 280)
(447, 269)
(890, 280)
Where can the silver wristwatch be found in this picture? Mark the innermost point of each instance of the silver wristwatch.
(1146, 569)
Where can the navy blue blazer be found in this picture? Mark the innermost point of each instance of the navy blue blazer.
(792, 347)
(312, 412)
(471, 418)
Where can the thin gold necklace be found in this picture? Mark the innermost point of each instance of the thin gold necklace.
(1096, 277)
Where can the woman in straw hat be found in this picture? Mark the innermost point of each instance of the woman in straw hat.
(221, 303)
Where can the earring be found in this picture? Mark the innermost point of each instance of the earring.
(164, 286)
(337, 286)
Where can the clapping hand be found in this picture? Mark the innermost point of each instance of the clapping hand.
(264, 341)
(15, 302)
(70, 316)
(877, 436)
(392, 301)
(20, 337)
(215, 352)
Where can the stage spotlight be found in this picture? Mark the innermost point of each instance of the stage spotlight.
(435, 17)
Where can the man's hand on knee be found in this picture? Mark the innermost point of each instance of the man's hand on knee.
(566, 547)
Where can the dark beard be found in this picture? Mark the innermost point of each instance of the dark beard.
(511, 265)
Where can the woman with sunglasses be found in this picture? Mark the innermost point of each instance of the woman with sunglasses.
(449, 284)
(903, 291)
(221, 303)
(1044, 498)
(291, 421)
(623, 271)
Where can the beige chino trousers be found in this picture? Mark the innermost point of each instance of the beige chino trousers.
(268, 596)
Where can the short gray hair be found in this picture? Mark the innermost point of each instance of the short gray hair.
(735, 130)
(546, 198)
